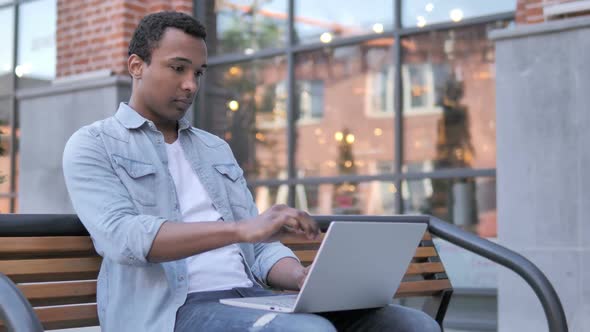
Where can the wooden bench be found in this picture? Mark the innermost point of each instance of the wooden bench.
(57, 270)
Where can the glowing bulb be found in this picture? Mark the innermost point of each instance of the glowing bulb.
(420, 21)
(429, 7)
(235, 71)
(23, 69)
(233, 105)
(378, 131)
(248, 51)
(378, 28)
(326, 37)
(350, 138)
(339, 136)
(456, 15)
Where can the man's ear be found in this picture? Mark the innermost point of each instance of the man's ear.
(135, 66)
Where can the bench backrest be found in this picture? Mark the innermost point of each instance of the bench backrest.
(57, 274)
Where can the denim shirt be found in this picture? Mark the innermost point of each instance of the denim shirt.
(117, 177)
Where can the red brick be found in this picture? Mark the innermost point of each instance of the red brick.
(94, 34)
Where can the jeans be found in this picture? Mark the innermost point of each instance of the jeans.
(203, 312)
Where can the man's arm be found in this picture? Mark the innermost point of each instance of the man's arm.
(287, 274)
(179, 240)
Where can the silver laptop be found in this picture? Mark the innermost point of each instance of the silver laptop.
(359, 265)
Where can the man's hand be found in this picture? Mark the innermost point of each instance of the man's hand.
(277, 222)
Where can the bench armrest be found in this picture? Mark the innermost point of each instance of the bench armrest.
(15, 311)
(547, 295)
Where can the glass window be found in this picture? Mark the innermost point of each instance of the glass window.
(4, 204)
(420, 13)
(467, 202)
(323, 21)
(344, 110)
(246, 104)
(7, 50)
(370, 198)
(36, 46)
(246, 26)
(265, 197)
(449, 108)
(5, 139)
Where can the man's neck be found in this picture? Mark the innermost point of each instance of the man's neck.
(167, 128)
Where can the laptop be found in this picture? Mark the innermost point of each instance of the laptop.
(359, 265)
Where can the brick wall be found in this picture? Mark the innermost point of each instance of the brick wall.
(531, 11)
(94, 35)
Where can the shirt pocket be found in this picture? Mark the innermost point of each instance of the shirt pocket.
(234, 183)
(139, 178)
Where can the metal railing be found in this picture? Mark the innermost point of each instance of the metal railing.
(15, 311)
(526, 269)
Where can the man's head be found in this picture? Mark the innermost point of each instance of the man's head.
(167, 57)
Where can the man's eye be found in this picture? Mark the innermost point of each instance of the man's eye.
(199, 73)
(178, 69)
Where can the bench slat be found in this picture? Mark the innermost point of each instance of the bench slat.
(53, 318)
(50, 294)
(423, 287)
(425, 268)
(55, 269)
(50, 246)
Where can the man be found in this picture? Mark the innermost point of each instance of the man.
(168, 208)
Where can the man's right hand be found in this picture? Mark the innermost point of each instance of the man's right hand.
(277, 222)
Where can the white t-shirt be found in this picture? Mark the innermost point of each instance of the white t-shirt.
(217, 269)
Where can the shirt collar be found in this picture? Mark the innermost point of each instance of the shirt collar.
(133, 120)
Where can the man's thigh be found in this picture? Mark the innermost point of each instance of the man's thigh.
(214, 316)
(392, 318)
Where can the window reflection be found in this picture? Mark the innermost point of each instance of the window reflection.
(449, 99)
(246, 105)
(324, 21)
(370, 198)
(246, 26)
(36, 46)
(6, 51)
(467, 202)
(420, 13)
(344, 110)
(5, 139)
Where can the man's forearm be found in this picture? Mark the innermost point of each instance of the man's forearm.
(177, 240)
(287, 273)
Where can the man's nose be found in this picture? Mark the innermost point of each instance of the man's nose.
(190, 84)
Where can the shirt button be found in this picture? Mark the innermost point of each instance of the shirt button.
(181, 278)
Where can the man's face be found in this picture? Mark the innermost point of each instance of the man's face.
(168, 85)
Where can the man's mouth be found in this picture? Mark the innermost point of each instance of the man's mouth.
(182, 102)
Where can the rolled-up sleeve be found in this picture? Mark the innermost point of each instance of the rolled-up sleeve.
(267, 255)
(103, 204)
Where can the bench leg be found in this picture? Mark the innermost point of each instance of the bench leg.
(437, 306)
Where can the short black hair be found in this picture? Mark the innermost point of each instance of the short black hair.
(151, 28)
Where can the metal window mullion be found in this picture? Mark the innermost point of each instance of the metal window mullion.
(397, 104)
(452, 25)
(13, 111)
(291, 101)
(449, 173)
